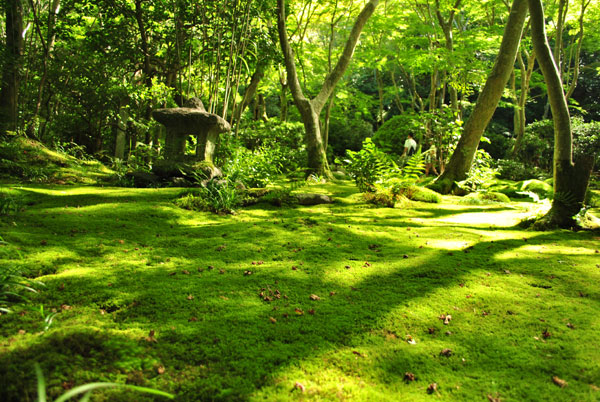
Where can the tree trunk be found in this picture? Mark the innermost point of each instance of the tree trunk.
(249, 93)
(311, 109)
(462, 158)
(9, 90)
(520, 117)
(570, 180)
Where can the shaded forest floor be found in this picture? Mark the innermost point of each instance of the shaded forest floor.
(330, 302)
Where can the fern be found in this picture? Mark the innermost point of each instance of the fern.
(414, 167)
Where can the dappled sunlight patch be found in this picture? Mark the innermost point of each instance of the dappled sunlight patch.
(497, 219)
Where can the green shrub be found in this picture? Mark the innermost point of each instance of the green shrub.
(281, 143)
(515, 170)
(345, 133)
(391, 135)
(255, 168)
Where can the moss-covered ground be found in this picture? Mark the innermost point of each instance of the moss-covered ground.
(332, 302)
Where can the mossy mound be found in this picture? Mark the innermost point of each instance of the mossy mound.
(26, 160)
(592, 198)
(481, 198)
(424, 194)
(542, 189)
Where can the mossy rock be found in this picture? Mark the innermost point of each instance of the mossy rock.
(424, 194)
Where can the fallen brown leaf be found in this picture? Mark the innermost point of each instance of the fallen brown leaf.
(546, 334)
(314, 297)
(160, 370)
(190, 297)
(273, 320)
(185, 272)
(299, 386)
(446, 352)
(298, 311)
(561, 383)
(493, 398)
(408, 376)
(192, 319)
(432, 388)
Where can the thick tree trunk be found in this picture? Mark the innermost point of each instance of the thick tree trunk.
(570, 180)
(311, 109)
(9, 90)
(462, 158)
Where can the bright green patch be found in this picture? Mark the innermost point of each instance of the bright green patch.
(212, 307)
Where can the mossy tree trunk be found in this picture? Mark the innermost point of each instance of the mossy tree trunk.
(310, 109)
(570, 179)
(462, 158)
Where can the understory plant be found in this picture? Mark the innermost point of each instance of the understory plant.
(13, 286)
(218, 196)
(86, 389)
(482, 173)
(371, 166)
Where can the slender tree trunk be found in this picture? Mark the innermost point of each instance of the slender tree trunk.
(9, 89)
(283, 101)
(520, 116)
(311, 109)
(447, 29)
(570, 180)
(250, 92)
(462, 158)
(380, 95)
